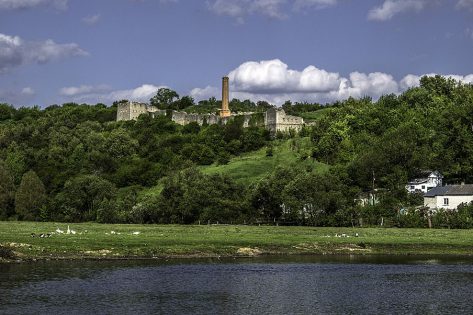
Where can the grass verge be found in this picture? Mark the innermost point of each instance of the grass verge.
(99, 241)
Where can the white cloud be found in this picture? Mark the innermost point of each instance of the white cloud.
(469, 33)
(277, 9)
(26, 4)
(465, 4)
(15, 52)
(83, 89)
(104, 94)
(28, 91)
(205, 93)
(412, 80)
(318, 4)
(273, 81)
(16, 96)
(241, 8)
(91, 19)
(274, 76)
(390, 8)
(362, 84)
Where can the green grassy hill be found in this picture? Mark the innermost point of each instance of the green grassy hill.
(251, 167)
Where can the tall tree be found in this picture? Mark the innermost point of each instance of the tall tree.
(30, 197)
(164, 98)
(7, 192)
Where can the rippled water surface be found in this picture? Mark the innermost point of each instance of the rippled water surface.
(295, 285)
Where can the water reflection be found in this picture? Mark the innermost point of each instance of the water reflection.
(277, 285)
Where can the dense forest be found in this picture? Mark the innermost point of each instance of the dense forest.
(75, 163)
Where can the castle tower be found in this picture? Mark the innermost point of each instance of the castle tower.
(225, 111)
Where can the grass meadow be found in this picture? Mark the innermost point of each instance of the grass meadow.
(92, 240)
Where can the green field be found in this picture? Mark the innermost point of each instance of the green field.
(251, 167)
(102, 241)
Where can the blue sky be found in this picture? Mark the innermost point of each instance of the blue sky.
(55, 51)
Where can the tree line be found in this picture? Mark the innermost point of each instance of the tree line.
(76, 163)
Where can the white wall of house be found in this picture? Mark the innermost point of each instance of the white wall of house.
(423, 187)
(431, 182)
(446, 202)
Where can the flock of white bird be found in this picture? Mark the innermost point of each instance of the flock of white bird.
(69, 231)
(73, 232)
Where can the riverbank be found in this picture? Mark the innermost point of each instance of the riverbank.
(22, 241)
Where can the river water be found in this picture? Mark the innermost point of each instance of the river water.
(281, 285)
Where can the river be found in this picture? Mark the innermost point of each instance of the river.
(277, 285)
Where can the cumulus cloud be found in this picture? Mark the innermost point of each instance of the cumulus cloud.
(27, 4)
(15, 52)
(273, 77)
(465, 4)
(105, 94)
(390, 8)
(273, 81)
(28, 91)
(17, 96)
(91, 19)
(83, 89)
(277, 9)
(412, 80)
(318, 4)
(270, 76)
(204, 93)
(240, 8)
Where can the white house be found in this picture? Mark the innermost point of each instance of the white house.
(427, 182)
(448, 197)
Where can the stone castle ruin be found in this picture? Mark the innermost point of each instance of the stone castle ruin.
(275, 119)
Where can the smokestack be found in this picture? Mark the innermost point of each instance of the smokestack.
(225, 112)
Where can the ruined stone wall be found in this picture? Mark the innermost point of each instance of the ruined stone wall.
(154, 112)
(276, 120)
(270, 120)
(131, 110)
(183, 118)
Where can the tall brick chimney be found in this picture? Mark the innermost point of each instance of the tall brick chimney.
(225, 112)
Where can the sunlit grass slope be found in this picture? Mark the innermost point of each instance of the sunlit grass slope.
(251, 167)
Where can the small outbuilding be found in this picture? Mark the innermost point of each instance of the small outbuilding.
(448, 197)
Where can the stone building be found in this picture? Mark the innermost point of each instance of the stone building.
(132, 110)
(276, 120)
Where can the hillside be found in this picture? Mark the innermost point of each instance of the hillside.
(251, 167)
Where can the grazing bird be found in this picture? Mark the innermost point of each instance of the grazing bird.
(68, 230)
(59, 231)
(136, 233)
(33, 234)
(73, 232)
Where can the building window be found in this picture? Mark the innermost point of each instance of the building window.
(412, 187)
(423, 186)
(445, 201)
